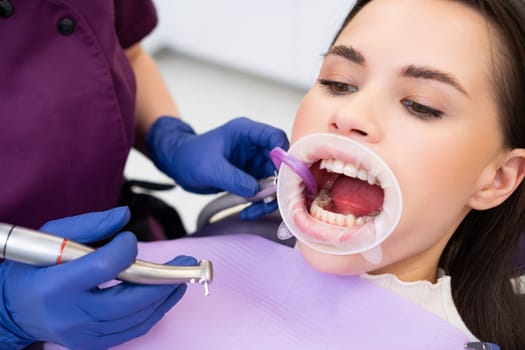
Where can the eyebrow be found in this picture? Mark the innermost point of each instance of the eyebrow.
(433, 74)
(348, 53)
(411, 71)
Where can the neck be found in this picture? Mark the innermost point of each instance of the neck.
(422, 266)
(411, 270)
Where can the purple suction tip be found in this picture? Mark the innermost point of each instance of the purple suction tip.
(279, 156)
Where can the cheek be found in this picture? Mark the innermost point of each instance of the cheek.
(439, 164)
(447, 172)
(311, 117)
(436, 183)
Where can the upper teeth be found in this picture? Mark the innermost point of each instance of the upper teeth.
(350, 170)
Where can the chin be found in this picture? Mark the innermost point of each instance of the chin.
(346, 265)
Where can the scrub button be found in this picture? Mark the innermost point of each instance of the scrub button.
(66, 26)
(6, 9)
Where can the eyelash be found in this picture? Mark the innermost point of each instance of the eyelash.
(421, 111)
(333, 87)
(337, 88)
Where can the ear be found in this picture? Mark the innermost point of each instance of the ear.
(505, 180)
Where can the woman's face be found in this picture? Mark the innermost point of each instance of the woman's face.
(413, 82)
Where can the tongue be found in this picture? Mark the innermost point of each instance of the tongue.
(353, 196)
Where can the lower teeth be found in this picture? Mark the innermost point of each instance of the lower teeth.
(323, 200)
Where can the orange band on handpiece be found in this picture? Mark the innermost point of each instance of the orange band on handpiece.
(59, 257)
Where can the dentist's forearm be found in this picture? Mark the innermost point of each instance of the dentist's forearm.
(153, 97)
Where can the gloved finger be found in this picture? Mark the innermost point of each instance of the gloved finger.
(130, 316)
(268, 168)
(143, 327)
(258, 209)
(126, 299)
(100, 266)
(260, 164)
(235, 181)
(89, 227)
(261, 134)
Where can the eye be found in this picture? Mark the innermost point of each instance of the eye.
(338, 87)
(421, 111)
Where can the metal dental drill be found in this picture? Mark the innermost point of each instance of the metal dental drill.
(42, 249)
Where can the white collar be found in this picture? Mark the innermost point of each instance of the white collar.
(433, 297)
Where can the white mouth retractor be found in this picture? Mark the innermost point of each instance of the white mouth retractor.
(330, 238)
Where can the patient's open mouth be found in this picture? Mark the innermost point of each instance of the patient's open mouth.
(348, 195)
(357, 201)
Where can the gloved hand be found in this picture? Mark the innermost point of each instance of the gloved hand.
(62, 303)
(229, 158)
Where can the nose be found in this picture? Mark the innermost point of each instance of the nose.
(358, 118)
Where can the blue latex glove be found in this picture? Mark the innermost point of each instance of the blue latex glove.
(62, 303)
(229, 158)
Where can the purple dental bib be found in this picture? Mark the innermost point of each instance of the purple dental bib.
(265, 296)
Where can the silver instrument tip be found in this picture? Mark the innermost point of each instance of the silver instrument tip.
(206, 275)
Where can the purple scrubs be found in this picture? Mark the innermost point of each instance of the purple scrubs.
(67, 100)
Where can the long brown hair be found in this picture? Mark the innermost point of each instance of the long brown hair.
(481, 255)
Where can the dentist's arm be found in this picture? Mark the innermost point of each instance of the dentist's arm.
(153, 96)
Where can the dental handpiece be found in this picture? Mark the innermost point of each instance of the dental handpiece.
(41, 249)
(229, 200)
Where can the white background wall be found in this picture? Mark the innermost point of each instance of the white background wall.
(281, 40)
